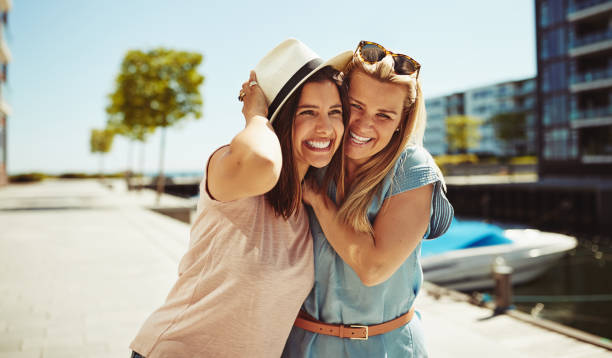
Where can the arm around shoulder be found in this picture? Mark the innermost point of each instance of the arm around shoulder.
(400, 225)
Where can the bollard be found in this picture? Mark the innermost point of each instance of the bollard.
(503, 285)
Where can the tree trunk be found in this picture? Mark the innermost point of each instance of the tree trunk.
(128, 170)
(101, 163)
(142, 164)
(160, 175)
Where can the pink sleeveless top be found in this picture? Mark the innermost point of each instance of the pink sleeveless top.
(240, 284)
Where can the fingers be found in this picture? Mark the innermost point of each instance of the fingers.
(246, 86)
(253, 98)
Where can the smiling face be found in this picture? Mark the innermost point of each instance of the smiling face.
(376, 112)
(317, 126)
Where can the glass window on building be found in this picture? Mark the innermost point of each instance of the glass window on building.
(556, 144)
(553, 43)
(557, 11)
(554, 77)
(544, 13)
(529, 86)
(554, 110)
(551, 12)
(574, 144)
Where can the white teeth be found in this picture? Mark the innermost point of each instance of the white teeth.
(319, 145)
(359, 139)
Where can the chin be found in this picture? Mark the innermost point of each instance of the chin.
(320, 163)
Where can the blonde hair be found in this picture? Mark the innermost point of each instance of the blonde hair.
(355, 200)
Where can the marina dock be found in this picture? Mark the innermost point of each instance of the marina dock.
(82, 265)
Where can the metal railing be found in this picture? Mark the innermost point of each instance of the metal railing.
(580, 5)
(592, 75)
(591, 113)
(591, 38)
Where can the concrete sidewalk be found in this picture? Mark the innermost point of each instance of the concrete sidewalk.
(81, 269)
(82, 266)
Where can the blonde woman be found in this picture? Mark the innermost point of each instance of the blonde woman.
(377, 203)
(249, 265)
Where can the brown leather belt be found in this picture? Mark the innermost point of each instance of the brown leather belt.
(353, 331)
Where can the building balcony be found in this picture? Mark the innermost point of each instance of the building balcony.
(596, 159)
(526, 89)
(591, 80)
(593, 75)
(591, 43)
(585, 9)
(591, 85)
(594, 117)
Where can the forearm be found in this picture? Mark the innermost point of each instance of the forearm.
(251, 166)
(357, 249)
(255, 146)
(400, 225)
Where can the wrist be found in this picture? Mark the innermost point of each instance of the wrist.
(253, 118)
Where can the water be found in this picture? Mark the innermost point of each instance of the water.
(577, 291)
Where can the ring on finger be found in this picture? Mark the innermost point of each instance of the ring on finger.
(252, 83)
(241, 95)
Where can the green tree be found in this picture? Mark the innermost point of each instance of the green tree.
(101, 141)
(155, 89)
(462, 133)
(511, 129)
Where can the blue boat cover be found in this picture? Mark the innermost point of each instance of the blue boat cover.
(464, 235)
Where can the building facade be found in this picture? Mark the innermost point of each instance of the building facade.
(435, 133)
(574, 84)
(484, 103)
(5, 58)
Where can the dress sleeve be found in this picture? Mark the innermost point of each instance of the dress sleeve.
(416, 168)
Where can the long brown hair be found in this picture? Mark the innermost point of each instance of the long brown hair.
(286, 195)
(355, 200)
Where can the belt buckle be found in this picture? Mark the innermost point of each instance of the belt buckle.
(366, 332)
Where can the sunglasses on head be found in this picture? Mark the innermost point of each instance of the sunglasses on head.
(371, 52)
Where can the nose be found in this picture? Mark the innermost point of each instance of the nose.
(362, 120)
(324, 125)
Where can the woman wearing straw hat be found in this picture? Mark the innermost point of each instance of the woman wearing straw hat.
(376, 205)
(249, 265)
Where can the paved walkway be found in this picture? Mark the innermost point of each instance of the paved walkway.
(81, 269)
(82, 266)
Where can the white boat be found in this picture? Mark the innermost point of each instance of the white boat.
(463, 258)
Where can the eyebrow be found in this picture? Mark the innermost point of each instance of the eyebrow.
(381, 110)
(316, 107)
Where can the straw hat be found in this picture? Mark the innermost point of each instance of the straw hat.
(282, 70)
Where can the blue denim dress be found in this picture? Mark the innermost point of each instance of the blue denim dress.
(338, 296)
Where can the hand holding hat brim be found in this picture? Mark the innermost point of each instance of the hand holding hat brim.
(253, 97)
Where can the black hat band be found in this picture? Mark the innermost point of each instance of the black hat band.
(293, 81)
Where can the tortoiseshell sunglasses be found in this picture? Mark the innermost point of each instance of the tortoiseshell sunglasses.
(371, 52)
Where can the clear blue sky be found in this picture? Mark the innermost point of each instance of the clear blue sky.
(66, 54)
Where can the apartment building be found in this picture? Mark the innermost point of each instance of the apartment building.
(484, 103)
(574, 59)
